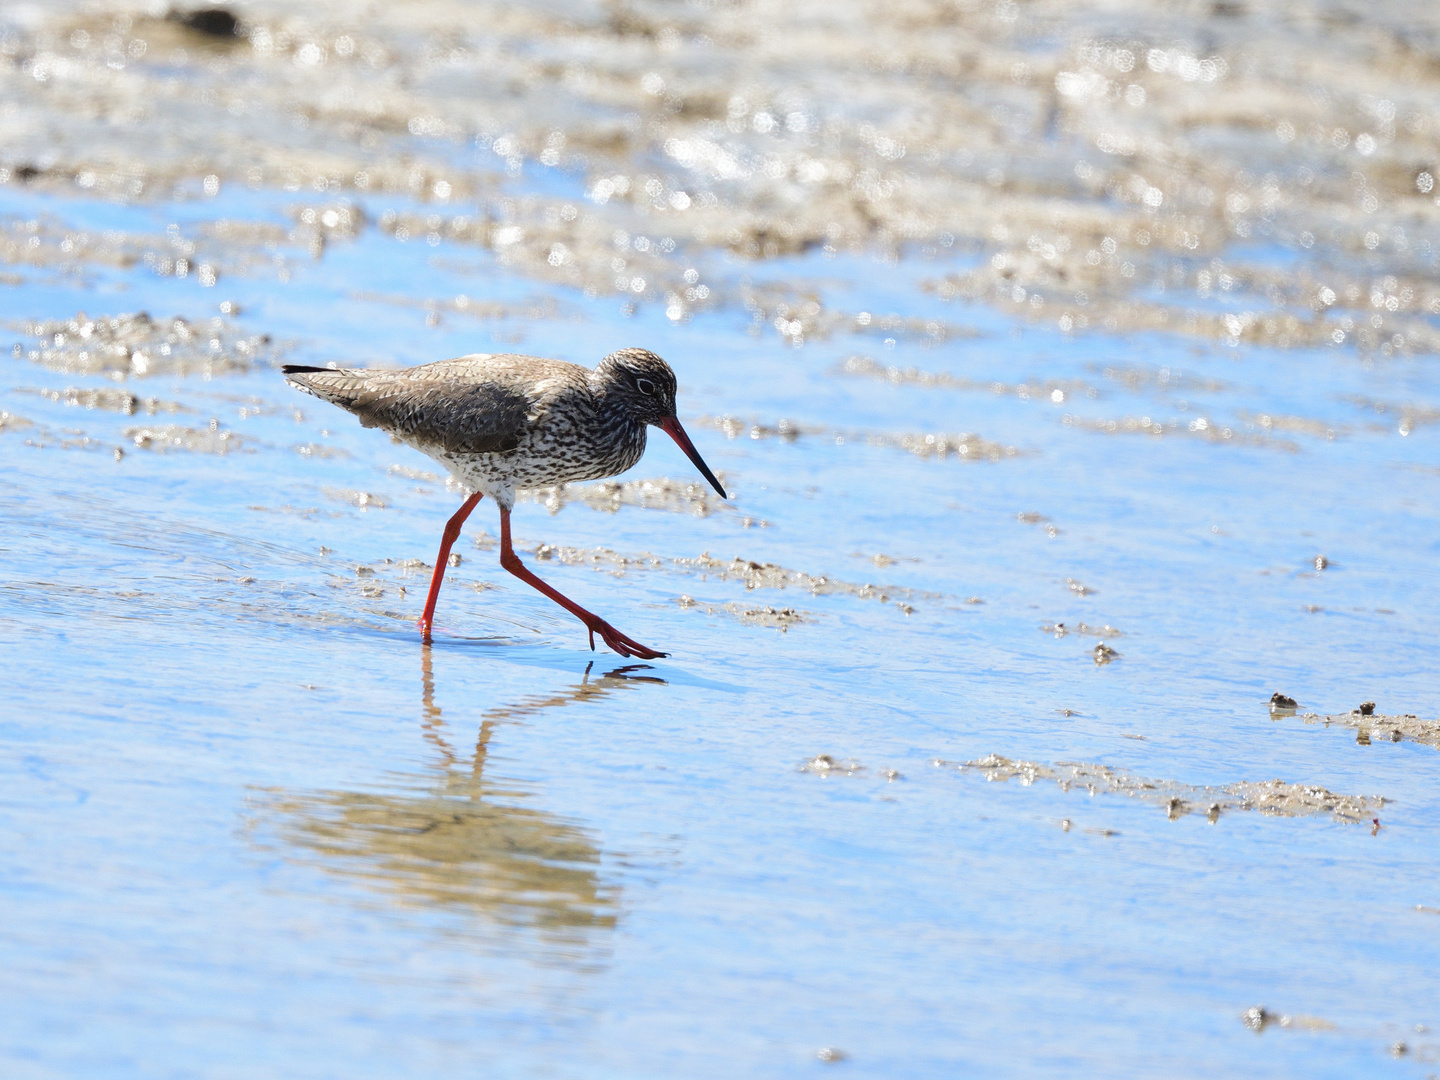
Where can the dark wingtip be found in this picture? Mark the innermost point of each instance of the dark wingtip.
(300, 369)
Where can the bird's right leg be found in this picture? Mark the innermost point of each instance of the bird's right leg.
(451, 534)
(625, 646)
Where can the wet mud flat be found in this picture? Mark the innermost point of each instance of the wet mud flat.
(1073, 373)
(1273, 797)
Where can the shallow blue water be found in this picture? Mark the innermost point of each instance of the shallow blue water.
(255, 828)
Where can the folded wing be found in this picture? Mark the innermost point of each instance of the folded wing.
(452, 404)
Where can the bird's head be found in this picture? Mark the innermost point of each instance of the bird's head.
(643, 385)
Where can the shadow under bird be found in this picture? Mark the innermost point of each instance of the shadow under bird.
(502, 422)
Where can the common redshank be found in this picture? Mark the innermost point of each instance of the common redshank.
(502, 422)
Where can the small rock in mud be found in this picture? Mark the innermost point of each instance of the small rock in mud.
(1280, 703)
(1366, 709)
(1257, 1018)
(1104, 654)
(212, 22)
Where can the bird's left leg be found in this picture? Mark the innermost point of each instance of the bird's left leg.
(451, 534)
(623, 645)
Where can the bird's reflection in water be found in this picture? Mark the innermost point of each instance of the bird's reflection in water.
(456, 840)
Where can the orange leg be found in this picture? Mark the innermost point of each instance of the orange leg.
(452, 533)
(623, 645)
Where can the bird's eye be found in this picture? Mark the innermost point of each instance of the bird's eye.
(645, 386)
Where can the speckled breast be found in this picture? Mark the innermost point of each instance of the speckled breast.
(546, 458)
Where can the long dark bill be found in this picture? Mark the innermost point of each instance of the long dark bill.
(672, 427)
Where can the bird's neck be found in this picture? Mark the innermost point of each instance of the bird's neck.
(624, 433)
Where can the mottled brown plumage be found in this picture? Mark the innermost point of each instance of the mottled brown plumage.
(502, 422)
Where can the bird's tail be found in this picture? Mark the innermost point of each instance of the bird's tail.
(339, 386)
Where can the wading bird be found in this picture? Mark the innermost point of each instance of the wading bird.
(497, 423)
